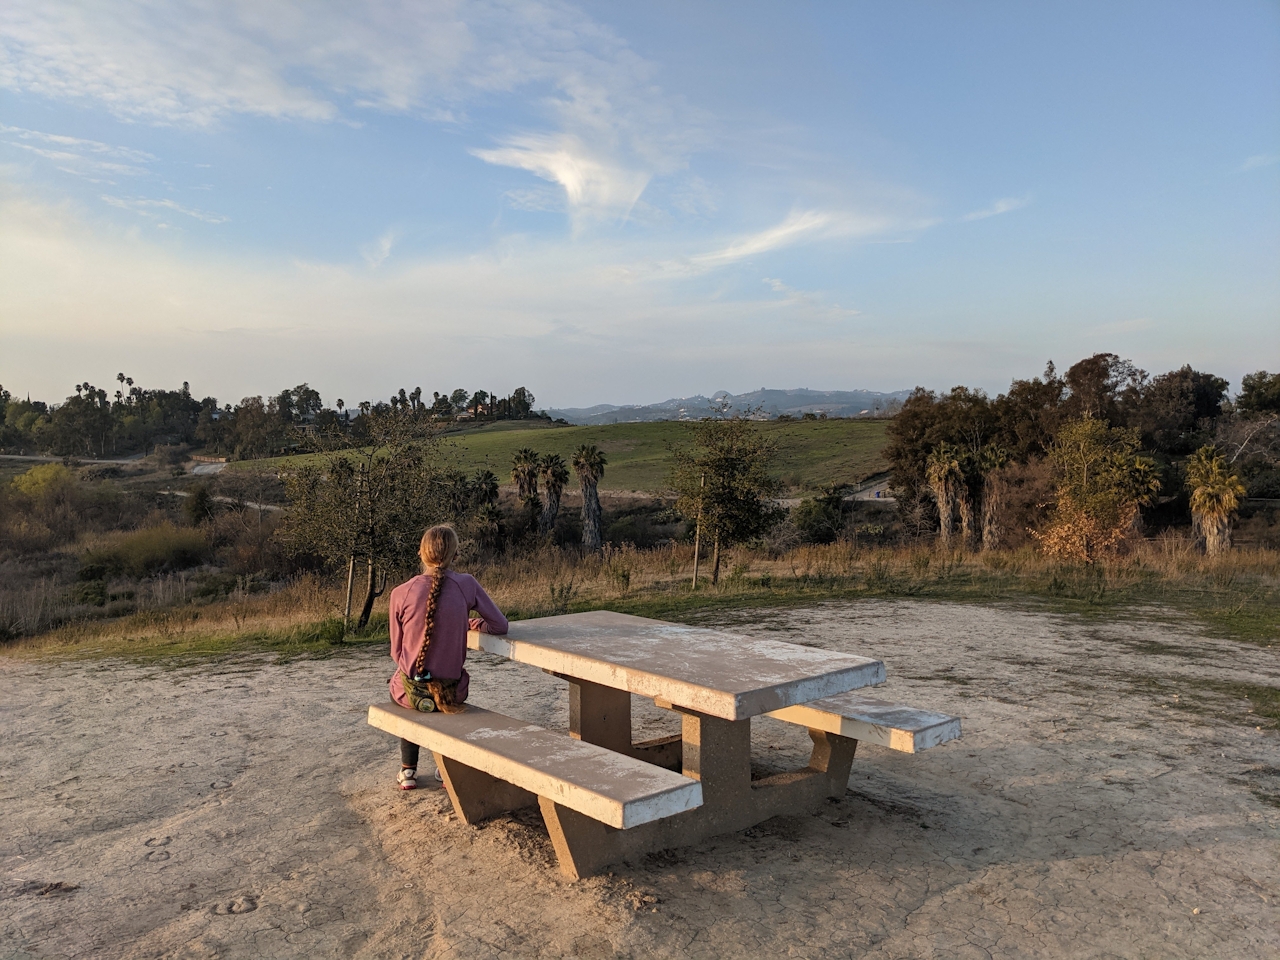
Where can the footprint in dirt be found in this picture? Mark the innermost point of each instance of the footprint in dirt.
(158, 841)
(238, 905)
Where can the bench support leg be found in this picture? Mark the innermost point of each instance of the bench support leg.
(582, 845)
(832, 755)
(477, 796)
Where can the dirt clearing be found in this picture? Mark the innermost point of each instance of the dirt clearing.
(1112, 797)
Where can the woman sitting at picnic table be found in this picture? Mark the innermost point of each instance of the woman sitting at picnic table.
(430, 616)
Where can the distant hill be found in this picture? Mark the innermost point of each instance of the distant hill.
(769, 403)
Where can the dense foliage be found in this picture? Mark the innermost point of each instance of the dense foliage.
(724, 483)
(1073, 460)
(97, 423)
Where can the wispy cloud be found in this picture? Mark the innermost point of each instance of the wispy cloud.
(591, 117)
(86, 158)
(801, 226)
(1260, 160)
(150, 208)
(79, 145)
(1004, 205)
(591, 185)
(791, 230)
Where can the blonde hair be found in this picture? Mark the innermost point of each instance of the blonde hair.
(438, 548)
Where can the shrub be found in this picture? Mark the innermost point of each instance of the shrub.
(159, 549)
(36, 481)
(91, 593)
(198, 506)
(820, 520)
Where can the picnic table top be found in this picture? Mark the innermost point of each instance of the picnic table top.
(714, 672)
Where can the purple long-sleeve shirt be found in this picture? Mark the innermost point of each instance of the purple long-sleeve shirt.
(458, 597)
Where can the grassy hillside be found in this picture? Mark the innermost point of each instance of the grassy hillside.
(811, 453)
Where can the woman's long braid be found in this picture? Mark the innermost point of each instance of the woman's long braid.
(429, 621)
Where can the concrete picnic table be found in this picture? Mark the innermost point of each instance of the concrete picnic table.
(717, 681)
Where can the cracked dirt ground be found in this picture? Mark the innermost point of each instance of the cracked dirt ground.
(1111, 797)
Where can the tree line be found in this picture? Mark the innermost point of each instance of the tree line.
(1077, 461)
(100, 422)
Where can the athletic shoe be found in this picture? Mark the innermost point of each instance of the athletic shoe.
(408, 779)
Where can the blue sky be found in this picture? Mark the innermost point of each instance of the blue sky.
(627, 202)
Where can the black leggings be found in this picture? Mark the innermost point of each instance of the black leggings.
(408, 754)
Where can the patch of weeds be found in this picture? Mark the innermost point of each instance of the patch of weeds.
(1265, 700)
(1264, 783)
(1254, 621)
(878, 575)
(1079, 583)
(562, 595)
(1197, 696)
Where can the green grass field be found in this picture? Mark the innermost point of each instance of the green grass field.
(811, 453)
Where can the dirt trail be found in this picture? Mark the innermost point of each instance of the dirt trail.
(246, 810)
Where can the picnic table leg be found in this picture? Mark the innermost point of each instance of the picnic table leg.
(717, 753)
(600, 715)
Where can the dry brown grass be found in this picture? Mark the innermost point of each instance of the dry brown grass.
(1237, 593)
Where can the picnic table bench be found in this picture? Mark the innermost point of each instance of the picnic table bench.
(605, 797)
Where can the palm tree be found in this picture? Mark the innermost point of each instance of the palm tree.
(484, 488)
(555, 474)
(942, 471)
(524, 471)
(1141, 483)
(1215, 494)
(964, 505)
(589, 463)
(994, 487)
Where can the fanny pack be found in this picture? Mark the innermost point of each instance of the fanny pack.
(431, 694)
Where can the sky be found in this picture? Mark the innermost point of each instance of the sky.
(622, 203)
